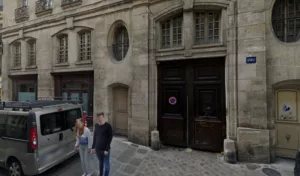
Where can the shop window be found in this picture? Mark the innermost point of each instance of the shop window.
(85, 46)
(121, 43)
(31, 53)
(172, 32)
(207, 27)
(287, 103)
(62, 49)
(16, 127)
(2, 124)
(286, 20)
(17, 54)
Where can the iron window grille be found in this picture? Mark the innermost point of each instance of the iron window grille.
(31, 53)
(63, 49)
(207, 27)
(286, 20)
(172, 32)
(17, 54)
(85, 46)
(121, 43)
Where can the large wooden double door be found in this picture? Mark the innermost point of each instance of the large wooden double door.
(191, 103)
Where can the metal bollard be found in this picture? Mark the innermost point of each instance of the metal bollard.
(297, 164)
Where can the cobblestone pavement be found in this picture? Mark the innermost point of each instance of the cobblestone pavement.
(132, 160)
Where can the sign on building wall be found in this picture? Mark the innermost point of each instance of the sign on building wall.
(287, 105)
(251, 60)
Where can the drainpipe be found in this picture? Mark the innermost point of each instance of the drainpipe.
(236, 61)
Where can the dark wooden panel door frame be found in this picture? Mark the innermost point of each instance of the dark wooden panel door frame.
(212, 76)
(76, 77)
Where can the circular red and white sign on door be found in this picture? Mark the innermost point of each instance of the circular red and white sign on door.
(172, 100)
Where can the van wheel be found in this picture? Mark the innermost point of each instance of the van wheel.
(15, 168)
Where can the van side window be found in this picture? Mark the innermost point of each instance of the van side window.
(72, 115)
(52, 123)
(16, 127)
(2, 124)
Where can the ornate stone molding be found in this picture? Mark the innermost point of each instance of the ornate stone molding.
(21, 14)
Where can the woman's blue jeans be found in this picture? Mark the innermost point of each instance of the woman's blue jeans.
(103, 162)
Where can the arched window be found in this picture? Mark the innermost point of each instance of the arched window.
(121, 43)
(85, 45)
(62, 48)
(17, 54)
(286, 20)
(31, 60)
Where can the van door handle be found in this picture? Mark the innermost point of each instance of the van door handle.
(61, 136)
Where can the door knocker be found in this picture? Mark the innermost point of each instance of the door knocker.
(288, 137)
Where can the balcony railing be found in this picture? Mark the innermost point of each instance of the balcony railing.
(43, 6)
(70, 2)
(21, 14)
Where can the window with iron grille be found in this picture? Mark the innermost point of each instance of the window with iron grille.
(121, 43)
(63, 49)
(286, 20)
(31, 53)
(17, 54)
(207, 27)
(172, 32)
(85, 46)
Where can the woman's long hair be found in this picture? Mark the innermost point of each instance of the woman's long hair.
(79, 131)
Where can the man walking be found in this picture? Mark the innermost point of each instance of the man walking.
(102, 139)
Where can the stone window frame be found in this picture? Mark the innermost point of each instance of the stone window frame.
(62, 50)
(120, 43)
(31, 52)
(280, 19)
(85, 49)
(171, 21)
(17, 54)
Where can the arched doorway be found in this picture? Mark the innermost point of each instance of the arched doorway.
(120, 110)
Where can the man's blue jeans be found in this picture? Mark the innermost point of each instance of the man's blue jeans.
(103, 161)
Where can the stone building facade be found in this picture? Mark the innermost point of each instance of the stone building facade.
(195, 71)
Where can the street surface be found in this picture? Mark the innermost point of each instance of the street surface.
(133, 160)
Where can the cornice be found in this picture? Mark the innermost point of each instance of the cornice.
(56, 18)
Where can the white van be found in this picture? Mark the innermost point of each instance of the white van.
(35, 136)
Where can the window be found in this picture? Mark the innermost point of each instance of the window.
(2, 124)
(52, 123)
(85, 46)
(23, 3)
(16, 127)
(63, 49)
(31, 53)
(1, 5)
(286, 20)
(207, 27)
(17, 54)
(72, 116)
(172, 32)
(121, 43)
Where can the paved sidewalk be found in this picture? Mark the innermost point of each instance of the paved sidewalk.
(133, 160)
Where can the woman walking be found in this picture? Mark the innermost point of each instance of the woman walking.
(84, 144)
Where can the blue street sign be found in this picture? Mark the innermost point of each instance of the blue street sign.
(251, 60)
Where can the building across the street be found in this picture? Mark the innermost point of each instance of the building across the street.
(196, 71)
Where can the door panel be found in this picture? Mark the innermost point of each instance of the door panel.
(207, 117)
(173, 118)
(121, 110)
(198, 118)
